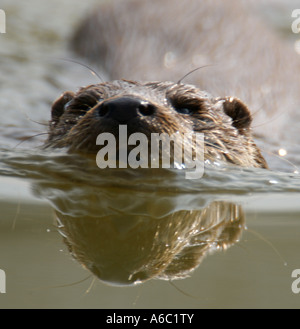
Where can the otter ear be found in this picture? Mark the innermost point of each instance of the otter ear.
(238, 112)
(58, 106)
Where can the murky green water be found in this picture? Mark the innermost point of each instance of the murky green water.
(230, 239)
(153, 238)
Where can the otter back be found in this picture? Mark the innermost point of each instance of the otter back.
(163, 40)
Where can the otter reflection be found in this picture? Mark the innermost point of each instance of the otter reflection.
(127, 236)
(127, 248)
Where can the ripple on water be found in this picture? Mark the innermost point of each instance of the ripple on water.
(65, 169)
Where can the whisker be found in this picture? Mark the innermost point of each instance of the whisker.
(39, 123)
(28, 118)
(181, 291)
(260, 236)
(27, 138)
(84, 65)
(192, 71)
(265, 123)
(217, 147)
(296, 169)
(69, 284)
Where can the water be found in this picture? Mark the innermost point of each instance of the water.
(230, 239)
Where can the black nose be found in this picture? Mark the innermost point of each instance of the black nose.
(123, 109)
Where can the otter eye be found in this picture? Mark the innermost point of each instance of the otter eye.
(186, 104)
(184, 110)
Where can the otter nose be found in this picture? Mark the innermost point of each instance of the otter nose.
(123, 109)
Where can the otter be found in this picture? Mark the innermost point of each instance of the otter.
(162, 40)
(154, 107)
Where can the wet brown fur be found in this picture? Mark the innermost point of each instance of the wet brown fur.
(225, 122)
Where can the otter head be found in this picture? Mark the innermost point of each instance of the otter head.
(154, 107)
